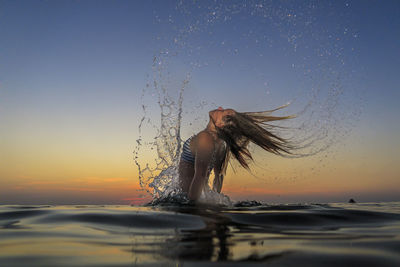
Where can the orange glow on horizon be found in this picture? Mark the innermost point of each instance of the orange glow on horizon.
(113, 177)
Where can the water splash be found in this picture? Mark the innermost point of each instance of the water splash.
(161, 178)
(212, 36)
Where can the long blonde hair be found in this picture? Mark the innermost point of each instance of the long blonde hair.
(242, 128)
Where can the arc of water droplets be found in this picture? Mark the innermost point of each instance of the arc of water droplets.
(161, 178)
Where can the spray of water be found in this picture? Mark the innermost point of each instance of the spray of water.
(209, 34)
(161, 178)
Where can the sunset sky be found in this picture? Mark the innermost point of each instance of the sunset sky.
(73, 73)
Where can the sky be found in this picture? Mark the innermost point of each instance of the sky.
(74, 76)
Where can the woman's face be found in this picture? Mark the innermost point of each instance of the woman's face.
(217, 116)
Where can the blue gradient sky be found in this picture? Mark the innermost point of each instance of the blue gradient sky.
(72, 74)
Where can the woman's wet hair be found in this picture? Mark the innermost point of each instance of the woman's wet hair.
(242, 128)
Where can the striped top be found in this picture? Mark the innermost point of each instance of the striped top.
(188, 156)
(186, 152)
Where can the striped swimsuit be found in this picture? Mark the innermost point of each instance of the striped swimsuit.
(188, 156)
(186, 152)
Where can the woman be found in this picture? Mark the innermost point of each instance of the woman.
(227, 134)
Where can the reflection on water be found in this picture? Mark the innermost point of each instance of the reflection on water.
(329, 235)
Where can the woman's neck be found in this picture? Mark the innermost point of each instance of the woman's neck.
(211, 127)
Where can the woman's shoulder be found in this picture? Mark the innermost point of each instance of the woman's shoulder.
(204, 139)
(204, 135)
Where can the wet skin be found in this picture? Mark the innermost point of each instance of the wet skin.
(209, 150)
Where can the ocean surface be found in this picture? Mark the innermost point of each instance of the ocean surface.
(247, 234)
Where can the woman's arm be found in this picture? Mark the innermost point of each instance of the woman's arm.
(204, 152)
(219, 169)
(218, 180)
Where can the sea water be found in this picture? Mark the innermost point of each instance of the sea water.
(246, 234)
